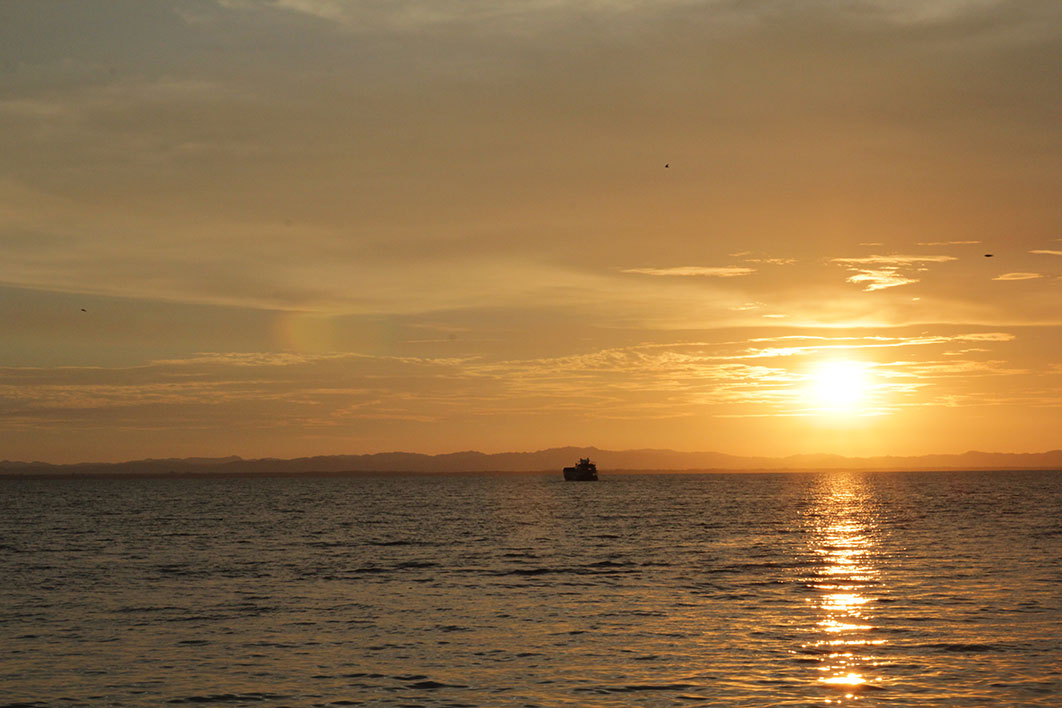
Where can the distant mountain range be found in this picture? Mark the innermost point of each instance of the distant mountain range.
(543, 460)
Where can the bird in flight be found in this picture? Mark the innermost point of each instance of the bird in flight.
(988, 255)
(668, 165)
(83, 309)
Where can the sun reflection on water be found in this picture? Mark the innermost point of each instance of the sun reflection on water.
(842, 529)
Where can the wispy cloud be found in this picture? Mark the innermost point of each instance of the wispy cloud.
(1018, 276)
(946, 243)
(773, 381)
(948, 368)
(324, 9)
(882, 272)
(342, 395)
(897, 260)
(771, 261)
(694, 271)
(880, 278)
(759, 257)
(252, 359)
(834, 345)
(1047, 252)
(235, 390)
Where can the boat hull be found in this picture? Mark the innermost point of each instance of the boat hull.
(574, 474)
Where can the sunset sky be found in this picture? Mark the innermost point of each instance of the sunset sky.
(319, 226)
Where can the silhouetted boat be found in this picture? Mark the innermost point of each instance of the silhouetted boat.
(585, 471)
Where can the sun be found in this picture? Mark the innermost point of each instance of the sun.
(839, 384)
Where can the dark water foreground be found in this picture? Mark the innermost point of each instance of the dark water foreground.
(872, 589)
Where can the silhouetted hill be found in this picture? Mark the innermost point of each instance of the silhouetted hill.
(543, 460)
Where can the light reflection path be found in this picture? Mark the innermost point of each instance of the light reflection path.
(842, 529)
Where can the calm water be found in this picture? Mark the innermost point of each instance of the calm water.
(890, 589)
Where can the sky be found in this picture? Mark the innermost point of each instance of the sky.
(299, 227)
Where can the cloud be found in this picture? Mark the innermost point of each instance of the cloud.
(252, 359)
(324, 9)
(890, 271)
(824, 344)
(417, 13)
(1018, 276)
(235, 390)
(950, 368)
(946, 243)
(694, 374)
(1047, 253)
(771, 261)
(880, 279)
(985, 337)
(694, 271)
(755, 257)
(344, 397)
(895, 260)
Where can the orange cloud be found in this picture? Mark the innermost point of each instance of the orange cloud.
(694, 271)
(889, 271)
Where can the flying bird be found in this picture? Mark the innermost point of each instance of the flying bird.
(83, 309)
(668, 165)
(988, 255)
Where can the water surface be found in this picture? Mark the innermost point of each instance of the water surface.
(804, 589)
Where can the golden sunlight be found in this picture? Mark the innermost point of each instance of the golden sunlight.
(839, 384)
(849, 679)
(843, 541)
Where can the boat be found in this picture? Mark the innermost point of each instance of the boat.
(585, 471)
